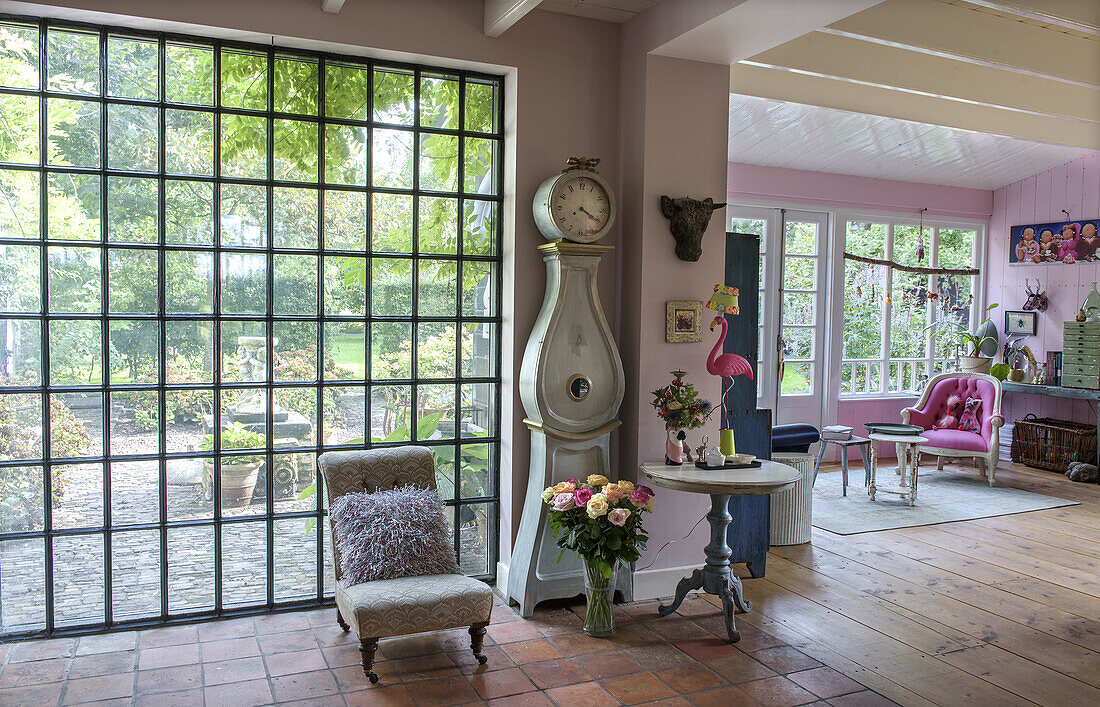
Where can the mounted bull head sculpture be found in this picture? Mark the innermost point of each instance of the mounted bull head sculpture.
(1036, 299)
(688, 219)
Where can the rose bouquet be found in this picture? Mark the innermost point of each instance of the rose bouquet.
(602, 522)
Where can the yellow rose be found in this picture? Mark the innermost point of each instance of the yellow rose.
(597, 480)
(564, 487)
(626, 487)
(614, 492)
(597, 506)
(547, 495)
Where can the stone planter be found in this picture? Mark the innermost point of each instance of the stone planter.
(238, 483)
(975, 364)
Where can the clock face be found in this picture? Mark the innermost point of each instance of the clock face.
(579, 207)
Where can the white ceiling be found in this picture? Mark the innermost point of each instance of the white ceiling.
(780, 134)
(607, 10)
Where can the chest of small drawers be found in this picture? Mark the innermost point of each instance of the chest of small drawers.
(1081, 355)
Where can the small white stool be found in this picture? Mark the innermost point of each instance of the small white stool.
(908, 448)
(861, 442)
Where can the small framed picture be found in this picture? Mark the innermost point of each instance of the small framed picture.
(1026, 323)
(683, 321)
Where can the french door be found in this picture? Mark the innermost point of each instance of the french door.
(793, 281)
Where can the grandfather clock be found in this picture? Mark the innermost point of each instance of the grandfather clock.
(571, 381)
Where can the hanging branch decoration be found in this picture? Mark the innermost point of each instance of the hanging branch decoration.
(919, 269)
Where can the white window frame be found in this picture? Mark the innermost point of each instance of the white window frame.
(836, 304)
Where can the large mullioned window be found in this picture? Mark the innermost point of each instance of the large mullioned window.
(218, 260)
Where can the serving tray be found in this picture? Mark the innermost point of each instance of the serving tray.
(755, 464)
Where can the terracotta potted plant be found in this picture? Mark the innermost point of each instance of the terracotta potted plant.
(238, 473)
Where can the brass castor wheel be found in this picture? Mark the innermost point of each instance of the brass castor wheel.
(482, 660)
(373, 677)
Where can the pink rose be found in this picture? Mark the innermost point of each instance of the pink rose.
(618, 516)
(641, 495)
(581, 497)
(563, 502)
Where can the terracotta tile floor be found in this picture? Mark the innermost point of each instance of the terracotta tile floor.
(304, 658)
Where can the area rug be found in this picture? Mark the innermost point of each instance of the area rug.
(942, 497)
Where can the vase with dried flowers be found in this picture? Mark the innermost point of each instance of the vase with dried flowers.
(678, 404)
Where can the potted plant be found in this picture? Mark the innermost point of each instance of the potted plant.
(601, 521)
(679, 406)
(967, 344)
(238, 473)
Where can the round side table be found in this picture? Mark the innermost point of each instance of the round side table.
(715, 576)
(908, 448)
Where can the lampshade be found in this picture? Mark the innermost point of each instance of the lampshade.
(724, 300)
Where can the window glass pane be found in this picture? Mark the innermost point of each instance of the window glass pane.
(393, 96)
(243, 80)
(73, 128)
(480, 166)
(244, 146)
(909, 295)
(132, 211)
(345, 154)
(73, 59)
(295, 151)
(132, 68)
(189, 74)
(19, 129)
(439, 106)
(189, 142)
(294, 218)
(74, 280)
(20, 289)
(438, 225)
(133, 280)
(18, 56)
(391, 223)
(481, 108)
(345, 220)
(347, 91)
(478, 226)
(190, 282)
(864, 291)
(132, 142)
(73, 206)
(19, 204)
(798, 378)
(296, 85)
(189, 212)
(244, 215)
(438, 163)
(800, 238)
(393, 158)
(391, 287)
(800, 273)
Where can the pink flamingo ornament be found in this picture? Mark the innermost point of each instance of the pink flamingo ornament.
(725, 365)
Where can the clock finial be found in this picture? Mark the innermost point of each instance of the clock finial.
(585, 163)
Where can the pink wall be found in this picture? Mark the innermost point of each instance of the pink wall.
(838, 192)
(1074, 186)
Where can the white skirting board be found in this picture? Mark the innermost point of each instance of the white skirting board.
(648, 584)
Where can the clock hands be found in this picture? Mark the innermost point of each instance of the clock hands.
(589, 214)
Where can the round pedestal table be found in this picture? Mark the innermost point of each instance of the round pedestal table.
(715, 577)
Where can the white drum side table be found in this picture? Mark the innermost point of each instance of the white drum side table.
(908, 449)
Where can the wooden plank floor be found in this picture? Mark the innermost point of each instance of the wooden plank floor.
(997, 611)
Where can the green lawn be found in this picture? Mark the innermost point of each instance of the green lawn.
(348, 351)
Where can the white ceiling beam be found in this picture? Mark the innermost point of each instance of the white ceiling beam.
(966, 32)
(333, 6)
(877, 64)
(845, 94)
(502, 14)
(752, 26)
(1079, 15)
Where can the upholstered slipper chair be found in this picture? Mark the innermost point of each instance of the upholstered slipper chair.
(395, 607)
(983, 446)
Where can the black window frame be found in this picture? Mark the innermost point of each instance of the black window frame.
(47, 535)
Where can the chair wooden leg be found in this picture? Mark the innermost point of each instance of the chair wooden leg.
(340, 620)
(477, 640)
(939, 463)
(367, 647)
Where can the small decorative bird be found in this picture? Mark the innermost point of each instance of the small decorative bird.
(725, 365)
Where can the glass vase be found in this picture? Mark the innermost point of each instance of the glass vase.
(599, 620)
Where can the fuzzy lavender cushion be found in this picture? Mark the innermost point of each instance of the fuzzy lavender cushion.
(393, 533)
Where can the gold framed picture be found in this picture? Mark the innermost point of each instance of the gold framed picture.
(683, 321)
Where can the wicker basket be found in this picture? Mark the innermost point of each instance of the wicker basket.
(1047, 443)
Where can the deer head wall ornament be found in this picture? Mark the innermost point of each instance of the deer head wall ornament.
(1036, 298)
(688, 219)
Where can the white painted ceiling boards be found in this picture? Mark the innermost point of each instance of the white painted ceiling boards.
(781, 134)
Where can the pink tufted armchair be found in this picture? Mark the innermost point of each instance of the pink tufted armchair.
(983, 447)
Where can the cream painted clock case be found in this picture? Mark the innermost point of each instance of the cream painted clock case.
(571, 381)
